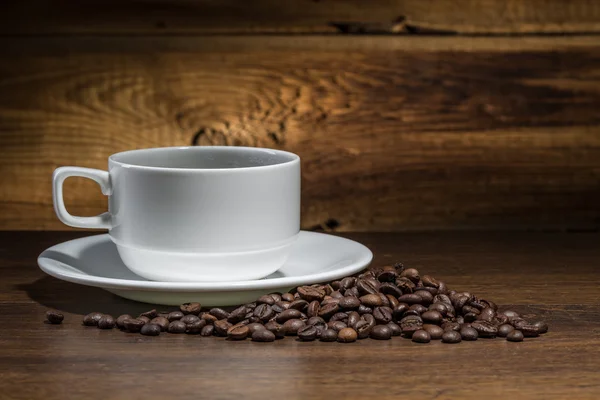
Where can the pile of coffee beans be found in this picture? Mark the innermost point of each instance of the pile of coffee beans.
(377, 304)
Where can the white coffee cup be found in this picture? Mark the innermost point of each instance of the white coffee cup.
(196, 213)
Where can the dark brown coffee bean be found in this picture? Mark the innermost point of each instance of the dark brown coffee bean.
(362, 310)
(487, 314)
(371, 300)
(451, 337)
(541, 327)
(263, 336)
(275, 296)
(263, 312)
(92, 319)
(468, 333)
(349, 303)
(426, 297)
(500, 319)
(515, 336)
(280, 306)
(459, 301)
(510, 314)
(237, 315)
(150, 330)
(176, 327)
(420, 309)
(336, 325)
(253, 327)
(352, 292)
(363, 329)
(383, 315)
(162, 322)
(315, 321)
(313, 309)
(208, 330)
(478, 304)
(287, 315)
(395, 328)
(384, 300)
(144, 318)
(54, 317)
(399, 311)
(327, 311)
(432, 291)
(470, 317)
(195, 327)
(307, 333)
(237, 332)
(219, 313)
(310, 293)
(347, 335)
(367, 286)
(353, 319)
(381, 332)
(485, 329)
(505, 329)
(276, 328)
(411, 312)
(190, 319)
(292, 326)
(410, 324)
(149, 314)
(392, 301)
(442, 298)
(340, 316)
(432, 317)
(299, 304)
(266, 299)
(106, 322)
(387, 274)
(328, 335)
(347, 282)
(451, 326)
(410, 299)
(435, 332)
(287, 297)
(412, 274)
(430, 281)
(421, 336)
(175, 316)
(221, 327)
(190, 308)
(334, 295)
(121, 319)
(529, 330)
(330, 301)
(405, 285)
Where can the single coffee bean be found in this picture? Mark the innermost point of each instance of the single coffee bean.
(390, 289)
(459, 301)
(190, 308)
(505, 329)
(238, 314)
(275, 296)
(177, 327)
(150, 330)
(468, 333)
(349, 303)
(292, 326)
(410, 324)
(362, 310)
(395, 328)
(219, 313)
(330, 300)
(264, 312)
(371, 300)
(336, 325)
(237, 332)
(439, 307)
(106, 322)
(121, 319)
(208, 330)
(144, 318)
(412, 274)
(315, 321)
(430, 281)
(383, 315)
(287, 297)
(266, 299)
(381, 332)
(307, 333)
(515, 336)
(310, 293)
(195, 327)
(421, 336)
(299, 304)
(352, 292)
(405, 285)
(541, 326)
(387, 274)
(399, 311)
(529, 330)
(92, 319)
(442, 298)
(162, 322)
(287, 315)
(517, 322)
(367, 286)
(221, 327)
(280, 306)
(510, 314)
(420, 309)
(485, 329)
(432, 317)
(334, 295)
(353, 319)
(347, 282)
(263, 336)
(174, 316)
(430, 290)
(470, 317)
(478, 304)
(313, 309)
(451, 337)
(393, 301)
(209, 318)
(426, 297)
(276, 328)
(435, 332)
(190, 319)
(363, 329)
(347, 335)
(451, 326)
(253, 327)
(487, 314)
(340, 316)
(328, 311)
(54, 317)
(410, 299)
(149, 314)
(328, 335)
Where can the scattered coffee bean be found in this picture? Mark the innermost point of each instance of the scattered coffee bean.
(208, 330)
(176, 327)
(541, 326)
(149, 314)
(195, 327)
(421, 336)
(219, 313)
(347, 335)
(150, 330)
(292, 326)
(106, 322)
(410, 299)
(190, 308)
(54, 317)
(435, 332)
(505, 329)
(288, 314)
(190, 319)
(381, 332)
(144, 319)
(485, 329)
(253, 327)
(238, 332)
(307, 333)
(515, 336)
(328, 335)
(336, 325)
(162, 322)
(287, 297)
(451, 336)
(174, 316)
(395, 328)
(133, 325)
(266, 299)
(263, 335)
(92, 319)
(221, 327)
(276, 328)
(468, 333)
(121, 319)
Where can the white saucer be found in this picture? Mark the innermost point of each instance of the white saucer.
(94, 261)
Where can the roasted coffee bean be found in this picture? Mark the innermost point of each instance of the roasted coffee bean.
(190, 319)
(336, 325)
(517, 322)
(174, 316)
(221, 327)
(106, 322)
(442, 288)
(328, 311)
(251, 306)
(529, 330)
(176, 327)
(485, 329)
(367, 286)
(92, 319)
(349, 303)
(460, 320)
(487, 314)
(195, 327)
(190, 308)
(330, 301)
(149, 314)
(420, 309)
(276, 328)
(328, 335)
(336, 295)
(439, 307)
(410, 299)
(353, 319)
(263, 335)
(287, 315)
(459, 301)
(468, 333)
(287, 297)
(266, 299)
(478, 304)
(387, 274)
(510, 314)
(405, 285)
(264, 312)
(162, 322)
(144, 318)
(363, 329)
(307, 333)
(371, 300)
(383, 315)
(310, 293)
(121, 319)
(399, 311)
(432, 317)
(435, 332)
(347, 335)
(395, 328)
(208, 330)
(352, 292)
(505, 329)
(292, 326)
(426, 297)
(451, 326)
(362, 310)
(470, 317)
(347, 282)
(275, 296)
(451, 337)
(500, 319)
(219, 313)
(253, 327)
(237, 315)
(281, 306)
(315, 321)
(237, 332)
(431, 290)
(411, 312)
(209, 318)
(430, 281)
(393, 301)
(340, 316)
(410, 324)
(421, 336)
(150, 330)
(515, 336)
(541, 326)
(442, 298)
(298, 304)
(384, 300)
(54, 317)
(381, 332)
(411, 274)
(313, 309)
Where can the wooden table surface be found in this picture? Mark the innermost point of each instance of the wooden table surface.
(553, 275)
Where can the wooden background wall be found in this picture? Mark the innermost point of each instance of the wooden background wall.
(408, 114)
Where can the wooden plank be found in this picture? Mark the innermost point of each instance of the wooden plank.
(299, 16)
(428, 133)
(71, 361)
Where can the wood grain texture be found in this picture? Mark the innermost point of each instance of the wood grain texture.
(554, 276)
(299, 16)
(457, 133)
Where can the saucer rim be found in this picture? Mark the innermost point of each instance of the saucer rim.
(48, 265)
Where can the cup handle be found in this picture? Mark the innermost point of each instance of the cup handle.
(102, 221)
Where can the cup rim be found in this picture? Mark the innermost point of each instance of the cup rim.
(293, 159)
